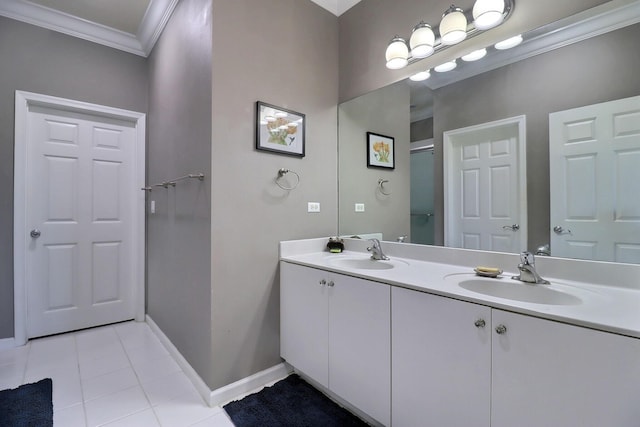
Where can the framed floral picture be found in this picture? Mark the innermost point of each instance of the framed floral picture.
(279, 130)
(380, 151)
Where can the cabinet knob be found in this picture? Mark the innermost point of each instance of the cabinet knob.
(501, 329)
(323, 282)
(480, 323)
(330, 284)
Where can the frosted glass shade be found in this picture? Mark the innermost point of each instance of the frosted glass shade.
(509, 43)
(397, 53)
(422, 40)
(488, 13)
(422, 75)
(453, 27)
(447, 66)
(475, 55)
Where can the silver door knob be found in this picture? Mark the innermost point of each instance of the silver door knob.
(480, 323)
(35, 233)
(501, 329)
(560, 230)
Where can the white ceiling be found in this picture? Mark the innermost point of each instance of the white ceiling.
(130, 25)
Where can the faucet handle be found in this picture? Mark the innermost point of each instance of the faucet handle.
(527, 258)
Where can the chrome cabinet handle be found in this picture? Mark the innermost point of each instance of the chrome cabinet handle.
(501, 329)
(330, 284)
(480, 323)
(323, 282)
(514, 227)
(35, 233)
(559, 230)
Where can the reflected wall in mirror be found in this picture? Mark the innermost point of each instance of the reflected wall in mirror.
(599, 67)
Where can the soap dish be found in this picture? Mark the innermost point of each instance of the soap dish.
(492, 274)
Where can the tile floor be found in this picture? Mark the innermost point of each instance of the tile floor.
(117, 375)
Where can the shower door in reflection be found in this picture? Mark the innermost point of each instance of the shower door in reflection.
(422, 196)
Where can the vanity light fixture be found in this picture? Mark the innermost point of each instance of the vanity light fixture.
(456, 25)
(421, 76)
(397, 53)
(488, 13)
(475, 55)
(509, 43)
(453, 27)
(447, 66)
(422, 40)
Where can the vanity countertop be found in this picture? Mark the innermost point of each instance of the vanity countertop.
(602, 307)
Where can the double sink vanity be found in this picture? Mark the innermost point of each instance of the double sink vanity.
(421, 340)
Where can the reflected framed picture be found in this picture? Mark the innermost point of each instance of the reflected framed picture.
(380, 151)
(279, 130)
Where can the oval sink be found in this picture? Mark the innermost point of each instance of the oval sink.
(514, 290)
(367, 263)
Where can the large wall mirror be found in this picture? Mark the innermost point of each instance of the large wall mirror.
(550, 103)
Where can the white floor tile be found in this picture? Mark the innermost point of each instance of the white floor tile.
(11, 376)
(164, 389)
(73, 416)
(94, 345)
(59, 347)
(66, 383)
(90, 368)
(184, 411)
(109, 383)
(115, 406)
(220, 420)
(14, 356)
(156, 368)
(141, 419)
(151, 349)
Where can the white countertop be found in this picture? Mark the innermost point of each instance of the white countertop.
(607, 308)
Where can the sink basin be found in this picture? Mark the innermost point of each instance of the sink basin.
(518, 291)
(367, 263)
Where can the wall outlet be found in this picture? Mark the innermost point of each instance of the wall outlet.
(313, 207)
(359, 207)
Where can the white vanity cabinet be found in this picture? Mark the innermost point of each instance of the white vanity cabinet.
(441, 361)
(516, 370)
(336, 330)
(546, 373)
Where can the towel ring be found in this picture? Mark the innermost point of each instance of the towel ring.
(282, 172)
(381, 183)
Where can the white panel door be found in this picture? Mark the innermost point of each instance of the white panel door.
(485, 195)
(80, 264)
(594, 159)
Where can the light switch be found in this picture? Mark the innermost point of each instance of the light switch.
(313, 207)
(359, 207)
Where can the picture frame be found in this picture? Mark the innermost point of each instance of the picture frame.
(279, 130)
(380, 151)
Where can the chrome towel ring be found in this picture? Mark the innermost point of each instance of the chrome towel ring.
(381, 183)
(281, 173)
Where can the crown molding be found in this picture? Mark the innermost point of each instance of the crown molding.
(141, 44)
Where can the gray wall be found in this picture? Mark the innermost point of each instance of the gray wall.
(422, 129)
(42, 61)
(179, 233)
(284, 52)
(386, 112)
(600, 69)
(365, 31)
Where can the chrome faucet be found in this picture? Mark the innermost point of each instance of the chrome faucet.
(376, 250)
(528, 271)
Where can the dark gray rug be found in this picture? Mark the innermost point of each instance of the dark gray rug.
(29, 405)
(291, 402)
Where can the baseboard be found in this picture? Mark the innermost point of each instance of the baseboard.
(199, 384)
(253, 382)
(7, 343)
(228, 392)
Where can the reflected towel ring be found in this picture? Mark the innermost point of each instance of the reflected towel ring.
(381, 183)
(282, 172)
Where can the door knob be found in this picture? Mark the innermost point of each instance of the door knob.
(514, 227)
(480, 323)
(501, 329)
(35, 233)
(559, 230)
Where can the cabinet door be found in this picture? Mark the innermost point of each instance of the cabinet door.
(556, 375)
(440, 361)
(303, 320)
(359, 345)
